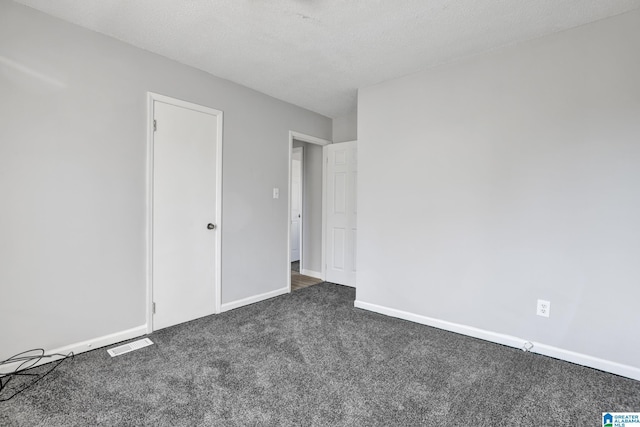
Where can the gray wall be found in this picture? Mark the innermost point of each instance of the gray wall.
(345, 128)
(73, 170)
(505, 178)
(312, 206)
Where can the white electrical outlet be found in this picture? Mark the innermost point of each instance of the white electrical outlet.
(544, 308)
(276, 193)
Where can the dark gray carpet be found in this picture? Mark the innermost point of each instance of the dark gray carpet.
(295, 266)
(310, 358)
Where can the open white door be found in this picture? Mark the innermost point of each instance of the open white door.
(341, 213)
(296, 204)
(185, 242)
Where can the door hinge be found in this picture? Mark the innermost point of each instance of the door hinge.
(154, 308)
(155, 125)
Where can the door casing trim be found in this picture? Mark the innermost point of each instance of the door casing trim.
(302, 210)
(312, 140)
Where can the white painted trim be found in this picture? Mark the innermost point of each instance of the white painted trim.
(288, 266)
(311, 273)
(184, 104)
(313, 140)
(323, 256)
(302, 193)
(508, 340)
(219, 219)
(149, 210)
(256, 298)
(443, 324)
(586, 360)
(151, 98)
(83, 346)
(308, 138)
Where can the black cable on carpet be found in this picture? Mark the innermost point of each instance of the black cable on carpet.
(26, 361)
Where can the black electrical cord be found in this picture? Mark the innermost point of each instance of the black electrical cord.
(27, 362)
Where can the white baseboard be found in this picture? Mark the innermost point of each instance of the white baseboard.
(250, 300)
(508, 340)
(83, 346)
(586, 360)
(311, 273)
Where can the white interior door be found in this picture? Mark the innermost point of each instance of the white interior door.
(296, 204)
(184, 214)
(341, 213)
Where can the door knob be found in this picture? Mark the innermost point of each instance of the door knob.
(211, 226)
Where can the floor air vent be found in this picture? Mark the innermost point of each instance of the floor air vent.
(130, 346)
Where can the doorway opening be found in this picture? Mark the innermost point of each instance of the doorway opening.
(305, 265)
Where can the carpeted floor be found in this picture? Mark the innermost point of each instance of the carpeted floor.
(310, 359)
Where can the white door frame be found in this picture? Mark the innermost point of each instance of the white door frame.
(300, 239)
(151, 98)
(312, 140)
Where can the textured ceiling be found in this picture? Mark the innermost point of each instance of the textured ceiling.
(317, 53)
